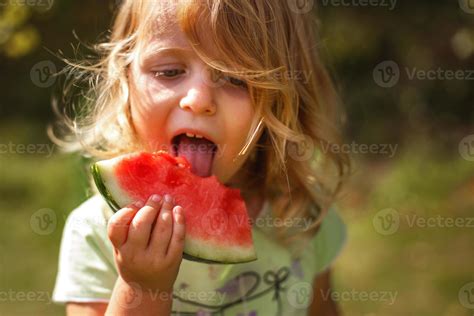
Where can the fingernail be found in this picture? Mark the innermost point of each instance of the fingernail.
(156, 198)
(168, 198)
(178, 215)
(139, 204)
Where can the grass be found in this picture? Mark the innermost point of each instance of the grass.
(421, 268)
(424, 265)
(32, 182)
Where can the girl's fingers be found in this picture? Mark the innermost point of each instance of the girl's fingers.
(118, 224)
(175, 249)
(160, 237)
(141, 225)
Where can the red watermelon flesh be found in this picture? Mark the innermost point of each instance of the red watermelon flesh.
(217, 225)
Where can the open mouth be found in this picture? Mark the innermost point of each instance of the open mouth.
(199, 151)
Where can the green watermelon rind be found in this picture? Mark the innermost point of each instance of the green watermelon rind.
(95, 170)
(187, 254)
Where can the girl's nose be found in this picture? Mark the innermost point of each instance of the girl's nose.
(199, 98)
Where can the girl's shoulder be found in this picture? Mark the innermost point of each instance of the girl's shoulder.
(326, 245)
(86, 270)
(319, 251)
(91, 214)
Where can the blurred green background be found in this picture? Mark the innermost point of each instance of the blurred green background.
(409, 210)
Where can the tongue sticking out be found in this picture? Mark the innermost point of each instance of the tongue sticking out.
(199, 152)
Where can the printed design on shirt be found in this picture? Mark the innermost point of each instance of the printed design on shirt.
(241, 289)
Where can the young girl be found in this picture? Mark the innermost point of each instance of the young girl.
(247, 76)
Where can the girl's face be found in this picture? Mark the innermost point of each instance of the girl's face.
(172, 92)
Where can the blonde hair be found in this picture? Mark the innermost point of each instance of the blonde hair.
(267, 43)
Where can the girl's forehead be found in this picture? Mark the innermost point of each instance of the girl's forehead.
(167, 35)
(163, 20)
(163, 29)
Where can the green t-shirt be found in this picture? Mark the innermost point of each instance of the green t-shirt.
(274, 284)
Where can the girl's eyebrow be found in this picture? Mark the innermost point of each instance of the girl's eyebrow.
(152, 53)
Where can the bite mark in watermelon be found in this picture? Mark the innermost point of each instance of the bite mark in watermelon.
(218, 229)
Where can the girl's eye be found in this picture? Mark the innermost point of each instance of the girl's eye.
(237, 82)
(168, 73)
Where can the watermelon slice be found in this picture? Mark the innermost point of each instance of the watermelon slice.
(218, 229)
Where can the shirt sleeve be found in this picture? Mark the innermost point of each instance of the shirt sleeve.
(326, 245)
(86, 270)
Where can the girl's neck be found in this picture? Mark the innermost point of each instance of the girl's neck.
(254, 199)
(255, 206)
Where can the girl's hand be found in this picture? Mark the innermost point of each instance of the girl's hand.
(148, 242)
